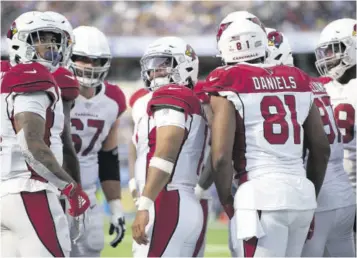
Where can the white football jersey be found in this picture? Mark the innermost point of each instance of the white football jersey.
(91, 121)
(344, 102)
(272, 103)
(18, 97)
(336, 191)
(190, 160)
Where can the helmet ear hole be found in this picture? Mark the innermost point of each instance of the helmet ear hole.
(278, 57)
(189, 69)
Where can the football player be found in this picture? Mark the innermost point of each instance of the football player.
(95, 120)
(170, 140)
(336, 59)
(228, 20)
(31, 146)
(261, 113)
(138, 101)
(335, 215)
(336, 203)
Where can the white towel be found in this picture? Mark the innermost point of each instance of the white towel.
(248, 224)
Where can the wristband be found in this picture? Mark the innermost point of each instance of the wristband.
(115, 206)
(144, 203)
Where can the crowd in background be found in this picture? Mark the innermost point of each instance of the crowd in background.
(148, 18)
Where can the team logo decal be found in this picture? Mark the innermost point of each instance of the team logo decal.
(275, 38)
(190, 52)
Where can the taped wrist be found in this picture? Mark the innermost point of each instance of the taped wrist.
(109, 167)
(144, 203)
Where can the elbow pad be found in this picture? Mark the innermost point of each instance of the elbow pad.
(109, 168)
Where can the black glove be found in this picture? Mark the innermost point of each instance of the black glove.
(117, 225)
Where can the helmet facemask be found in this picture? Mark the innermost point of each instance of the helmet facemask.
(333, 58)
(92, 72)
(46, 46)
(161, 69)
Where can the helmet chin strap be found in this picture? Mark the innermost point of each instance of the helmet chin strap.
(158, 82)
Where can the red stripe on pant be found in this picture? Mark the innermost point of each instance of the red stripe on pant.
(204, 205)
(167, 211)
(39, 213)
(250, 246)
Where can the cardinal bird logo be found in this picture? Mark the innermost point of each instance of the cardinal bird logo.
(12, 31)
(275, 38)
(190, 52)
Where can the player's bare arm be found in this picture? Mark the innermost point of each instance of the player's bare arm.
(168, 143)
(223, 133)
(30, 128)
(206, 178)
(165, 149)
(70, 160)
(319, 148)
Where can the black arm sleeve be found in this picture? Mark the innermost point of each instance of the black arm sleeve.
(109, 167)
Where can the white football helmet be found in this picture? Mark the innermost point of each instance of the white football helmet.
(237, 16)
(24, 33)
(173, 59)
(67, 27)
(279, 48)
(336, 50)
(243, 41)
(91, 43)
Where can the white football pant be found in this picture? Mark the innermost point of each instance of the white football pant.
(285, 234)
(333, 234)
(175, 224)
(34, 224)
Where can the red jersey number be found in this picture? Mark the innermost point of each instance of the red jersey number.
(345, 118)
(77, 123)
(274, 112)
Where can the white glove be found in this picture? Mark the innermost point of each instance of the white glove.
(117, 222)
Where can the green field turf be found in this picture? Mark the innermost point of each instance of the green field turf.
(217, 242)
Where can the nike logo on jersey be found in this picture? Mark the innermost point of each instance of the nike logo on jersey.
(211, 79)
(33, 71)
(70, 76)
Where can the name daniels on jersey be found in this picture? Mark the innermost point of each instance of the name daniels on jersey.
(85, 114)
(273, 83)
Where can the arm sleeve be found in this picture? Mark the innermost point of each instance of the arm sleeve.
(37, 102)
(168, 116)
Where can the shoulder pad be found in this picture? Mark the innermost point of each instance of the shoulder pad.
(26, 78)
(115, 93)
(67, 82)
(324, 79)
(175, 96)
(137, 95)
(201, 95)
(221, 78)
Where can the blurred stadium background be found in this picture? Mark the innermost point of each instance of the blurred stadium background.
(132, 25)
